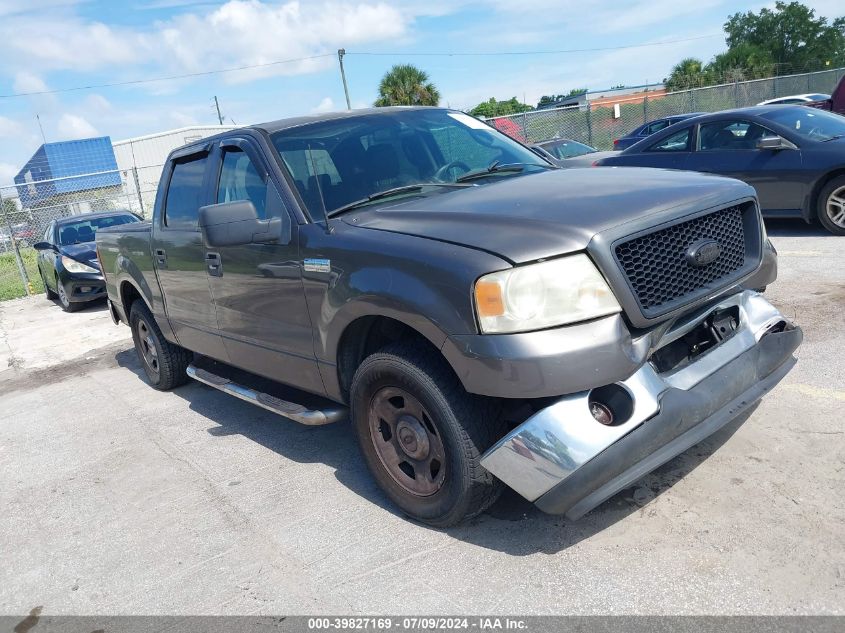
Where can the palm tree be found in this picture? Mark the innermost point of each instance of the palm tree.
(405, 84)
(687, 73)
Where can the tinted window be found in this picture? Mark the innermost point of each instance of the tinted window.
(810, 123)
(84, 230)
(184, 193)
(349, 159)
(677, 142)
(730, 135)
(570, 149)
(656, 127)
(240, 180)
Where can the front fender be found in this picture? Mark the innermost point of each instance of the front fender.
(422, 283)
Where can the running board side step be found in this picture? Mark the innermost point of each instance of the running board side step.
(291, 410)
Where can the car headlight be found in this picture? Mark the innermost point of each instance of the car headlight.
(73, 266)
(543, 295)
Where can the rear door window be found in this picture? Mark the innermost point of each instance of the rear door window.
(185, 193)
(677, 142)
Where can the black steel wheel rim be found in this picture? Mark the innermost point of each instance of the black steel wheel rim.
(407, 441)
(146, 346)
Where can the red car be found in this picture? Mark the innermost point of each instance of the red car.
(836, 103)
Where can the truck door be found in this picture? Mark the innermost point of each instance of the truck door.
(257, 288)
(179, 255)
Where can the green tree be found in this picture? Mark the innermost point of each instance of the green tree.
(405, 84)
(790, 35)
(548, 100)
(493, 108)
(740, 63)
(687, 73)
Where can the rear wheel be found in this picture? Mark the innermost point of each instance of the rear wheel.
(422, 435)
(831, 206)
(164, 363)
(64, 300)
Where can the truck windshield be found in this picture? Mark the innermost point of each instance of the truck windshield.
(810, 123)
(353, 158)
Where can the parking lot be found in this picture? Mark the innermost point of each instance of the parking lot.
(121, 499)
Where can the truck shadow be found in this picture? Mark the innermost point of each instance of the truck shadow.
(512, 525)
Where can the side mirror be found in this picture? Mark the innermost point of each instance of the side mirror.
(236, 223)
(43, 246)
(774, 143)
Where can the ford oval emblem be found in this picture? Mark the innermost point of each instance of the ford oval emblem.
(703, 252)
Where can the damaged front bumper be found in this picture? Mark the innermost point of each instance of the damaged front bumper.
(566, 462)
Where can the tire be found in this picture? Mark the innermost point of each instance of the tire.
(51, 296)
(831, 206)
(67, 304)
(163, 362)
(406, 395)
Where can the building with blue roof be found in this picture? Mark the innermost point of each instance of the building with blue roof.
(57, 170)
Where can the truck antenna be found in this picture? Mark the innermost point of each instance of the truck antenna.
(319, 190)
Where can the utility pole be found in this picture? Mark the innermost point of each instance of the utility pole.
(340, 53)
(40, 127)
(217, 105)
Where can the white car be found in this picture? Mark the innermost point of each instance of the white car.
(795, 99)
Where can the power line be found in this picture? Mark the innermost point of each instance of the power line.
(134, 82)
(170, 78)
(555, 52)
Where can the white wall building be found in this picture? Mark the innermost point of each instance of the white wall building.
(147, 154)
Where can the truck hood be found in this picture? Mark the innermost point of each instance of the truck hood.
(533, 216)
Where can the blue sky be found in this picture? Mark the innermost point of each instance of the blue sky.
(57, 44)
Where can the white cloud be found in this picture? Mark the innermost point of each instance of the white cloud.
(7, 173)
(238, 33)
(9, 128)
(28, 82)
(326, 105)
(73, 126)
(98, 104)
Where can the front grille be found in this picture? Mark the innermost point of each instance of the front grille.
(657, 268)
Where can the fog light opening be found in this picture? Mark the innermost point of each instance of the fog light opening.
(611, 405)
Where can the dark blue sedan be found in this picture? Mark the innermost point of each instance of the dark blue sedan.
(652, 127)
(67, 257)
(793, 156)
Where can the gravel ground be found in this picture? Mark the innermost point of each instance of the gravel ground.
(118, 499)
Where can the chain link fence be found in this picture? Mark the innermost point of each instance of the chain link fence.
(596, 123)
(27, 208)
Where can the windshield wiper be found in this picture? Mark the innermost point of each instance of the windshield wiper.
(387, 193)
(497, 167)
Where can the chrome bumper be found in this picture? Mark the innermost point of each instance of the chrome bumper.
(545, 450)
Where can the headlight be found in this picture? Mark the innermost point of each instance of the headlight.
(73, 266)
(543, 295)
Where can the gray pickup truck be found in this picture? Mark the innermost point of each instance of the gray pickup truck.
(481, 317)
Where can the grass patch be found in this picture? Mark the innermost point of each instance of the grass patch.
(11, 284)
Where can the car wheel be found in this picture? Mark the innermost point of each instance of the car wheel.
(163, 362)
(64, 301)
(831, 206)
(50, 294)
(422, 435)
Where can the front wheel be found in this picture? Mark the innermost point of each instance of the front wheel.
(164, 363)
(831, 206)
(64, 300)
(422, 435)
